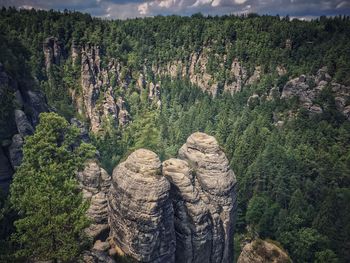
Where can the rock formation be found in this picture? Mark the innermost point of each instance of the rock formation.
(5, 172)
(260, 251)
(22, 115)
(214, 205)
(52, 52)
(95, 182)
(22, 123)
(308, 88)
(140, 210)
(188, 202)
(98, 94)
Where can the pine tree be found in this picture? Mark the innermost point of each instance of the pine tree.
(46, 195)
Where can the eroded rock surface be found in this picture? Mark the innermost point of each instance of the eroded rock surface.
(308, 89)
(100, 102)
(207, 199)
(95, 182)
(140, 210)
(260, 251)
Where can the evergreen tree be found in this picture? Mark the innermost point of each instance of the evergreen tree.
(46, 195)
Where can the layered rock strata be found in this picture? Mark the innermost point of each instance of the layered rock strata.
(181, 211)
(212, 205)
(95, 182)
(140, 210)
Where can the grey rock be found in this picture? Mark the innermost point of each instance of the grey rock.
(15, 151)
(96, 256)
(95, 182)
(101, 246)
(98, 96)
(6, 172)
(140, 211)
(260, 251)
(84, 132)
(23, 126)
(204, 201)
(300, 87)
(36, 101)
(52, 52)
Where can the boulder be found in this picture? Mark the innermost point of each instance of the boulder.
(140, 210)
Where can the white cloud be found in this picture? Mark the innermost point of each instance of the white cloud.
(143, 9)
(240, 2)
(216, 3)
(201, 2)
(167, 3)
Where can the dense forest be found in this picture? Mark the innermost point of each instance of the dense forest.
(293, 179)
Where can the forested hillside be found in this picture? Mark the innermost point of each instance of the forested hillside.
(274, 92)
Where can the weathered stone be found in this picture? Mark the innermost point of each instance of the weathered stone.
(52, 52)
(260, 251)
(96, 256)
(84, 133)
(15, 151)
(140, 211)
(6, 172)
(36, 102)
(23, 126)
(101, 246)
(95, 182)
(98, 95)
(204, 201)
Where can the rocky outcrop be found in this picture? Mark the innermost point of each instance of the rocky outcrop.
(15, 150)
(22, 123)
(98, 94)
(52, 52)
(140, 210)
(5, 172)
(95, 182)
(308, 88)
(181, 211)
(215, 183)
(260, 251)
(154, 94)
(239, 75)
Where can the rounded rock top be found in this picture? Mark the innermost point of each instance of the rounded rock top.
(202, 142)
(144, 162)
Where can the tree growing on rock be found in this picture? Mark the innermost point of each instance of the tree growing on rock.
(45, 192)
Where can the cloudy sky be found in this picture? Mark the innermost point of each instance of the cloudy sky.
(122, 9)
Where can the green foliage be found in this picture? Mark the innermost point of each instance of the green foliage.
(293, 181)
(45, 192)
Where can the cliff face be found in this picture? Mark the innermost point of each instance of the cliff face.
(98, 96)
(24, 109)
(52, 52)
(195, 67)
(181, 211)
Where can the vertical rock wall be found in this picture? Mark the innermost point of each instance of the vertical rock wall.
(140, 211)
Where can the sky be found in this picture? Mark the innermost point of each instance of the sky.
(122, 9)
